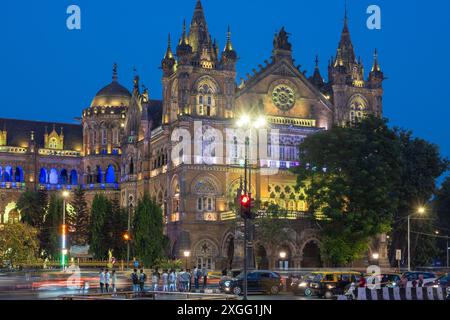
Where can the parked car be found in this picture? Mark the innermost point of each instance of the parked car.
(300, 285)
(260, 281)
(327, 284)
(414, 276)
(443, 281)
(389, 280)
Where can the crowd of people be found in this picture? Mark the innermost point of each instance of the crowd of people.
(167, 280)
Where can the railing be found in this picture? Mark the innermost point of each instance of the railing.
(292, 121)
(7, 149)
(60, 153)
(150, 295)
(89, 186)
(12, 185)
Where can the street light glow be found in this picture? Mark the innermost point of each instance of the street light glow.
(243, 121)
(187, 253)
(283, 255)
(421, 210)
(375, 256)
(65, 193)
(260, 122)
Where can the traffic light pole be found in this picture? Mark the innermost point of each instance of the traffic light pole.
(128, 242)
(245, 218)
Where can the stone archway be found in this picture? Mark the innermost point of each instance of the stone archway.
(205, 254)
(262, 260)
(311, 254)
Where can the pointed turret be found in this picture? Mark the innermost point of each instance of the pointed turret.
(114, 76)
(198, 33)
(317, 79)
(228, 54)
(184, 50)
(168, 63)
(376, 76)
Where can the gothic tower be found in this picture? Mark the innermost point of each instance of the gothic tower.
(353, 96)
(199, 82)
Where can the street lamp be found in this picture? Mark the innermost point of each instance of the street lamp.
(65, 195)
(186, 254)
(421, 210)
(283, 256)
(375, 256)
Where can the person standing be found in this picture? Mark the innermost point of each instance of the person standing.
(189, 279)
(196, 275)
(165, 277)
(205, 277)
(107, 280)
(155, 280)
(172, 279)
(102, 280)
(113, 282)
(142, 279)
(135, 280)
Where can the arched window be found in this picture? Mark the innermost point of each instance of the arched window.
(73, 177)
(7, 175)
(18, 176)
(358, 109)
(43, 177)
(64, 176)
(53, 177)
(104, 136)
(99, 175)
(205, 100)
(132, 166)
(53, 143)
(110, 174)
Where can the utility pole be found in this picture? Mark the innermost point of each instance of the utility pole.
(409, 243)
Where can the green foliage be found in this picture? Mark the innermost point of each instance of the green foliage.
(101, 211)
(115, 227)
(19, 243)
(80, 220)
(50, 240)
(270, 229)
(355, 191)
(441, 205)
(166, 264)
(149, 242)
(336, 252)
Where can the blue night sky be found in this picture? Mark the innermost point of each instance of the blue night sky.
(50, 73)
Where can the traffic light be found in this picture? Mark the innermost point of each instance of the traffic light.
(246, 205)
(126, 236)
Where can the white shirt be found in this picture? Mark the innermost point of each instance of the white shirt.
(102, 277)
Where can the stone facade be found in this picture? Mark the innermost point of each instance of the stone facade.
(127, 145)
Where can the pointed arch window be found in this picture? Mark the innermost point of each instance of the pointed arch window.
(206, 101)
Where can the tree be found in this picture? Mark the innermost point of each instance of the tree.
(32, 206)
(100, 211)
(421, 165)
(19, 243)
(115, 226)
(80, 221)
(441, 205)
(148, 236)
(51, 230)
(350, 176)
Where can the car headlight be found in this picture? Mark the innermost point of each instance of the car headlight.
(227, 283)
(329, 286)
(302, 284)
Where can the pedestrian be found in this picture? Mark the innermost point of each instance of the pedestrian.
(142, 279)
(107, 280)
(113, 282)
(362, 282)
(180, 280)
(420, 282)
(172, 279)
(102, 280)
(403, 282)
(205, 277)
(189, 280)
(135, 280)
(196, 275)
(165, 279)
(155, 280)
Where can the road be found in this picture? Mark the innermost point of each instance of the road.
(53, 284)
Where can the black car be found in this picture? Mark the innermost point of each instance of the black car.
(443, 281)
(260, 281)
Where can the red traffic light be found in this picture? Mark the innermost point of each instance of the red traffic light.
(245, 200)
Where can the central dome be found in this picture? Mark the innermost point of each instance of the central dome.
(113, 95)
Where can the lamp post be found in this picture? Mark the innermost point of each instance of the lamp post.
(246, 122)
(420, 210)
(283, 256)
(65, 195)
(186, 254)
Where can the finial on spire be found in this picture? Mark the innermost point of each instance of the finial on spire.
(317, 61)
(136, 81)
(114, 77)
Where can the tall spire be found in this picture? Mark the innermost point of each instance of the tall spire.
(228, 52)
(229, 46)
(114, 77)
(198, 32)
(317, 79)
(345, 44)
(168, 62)
(169, 53)
(376, 66)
